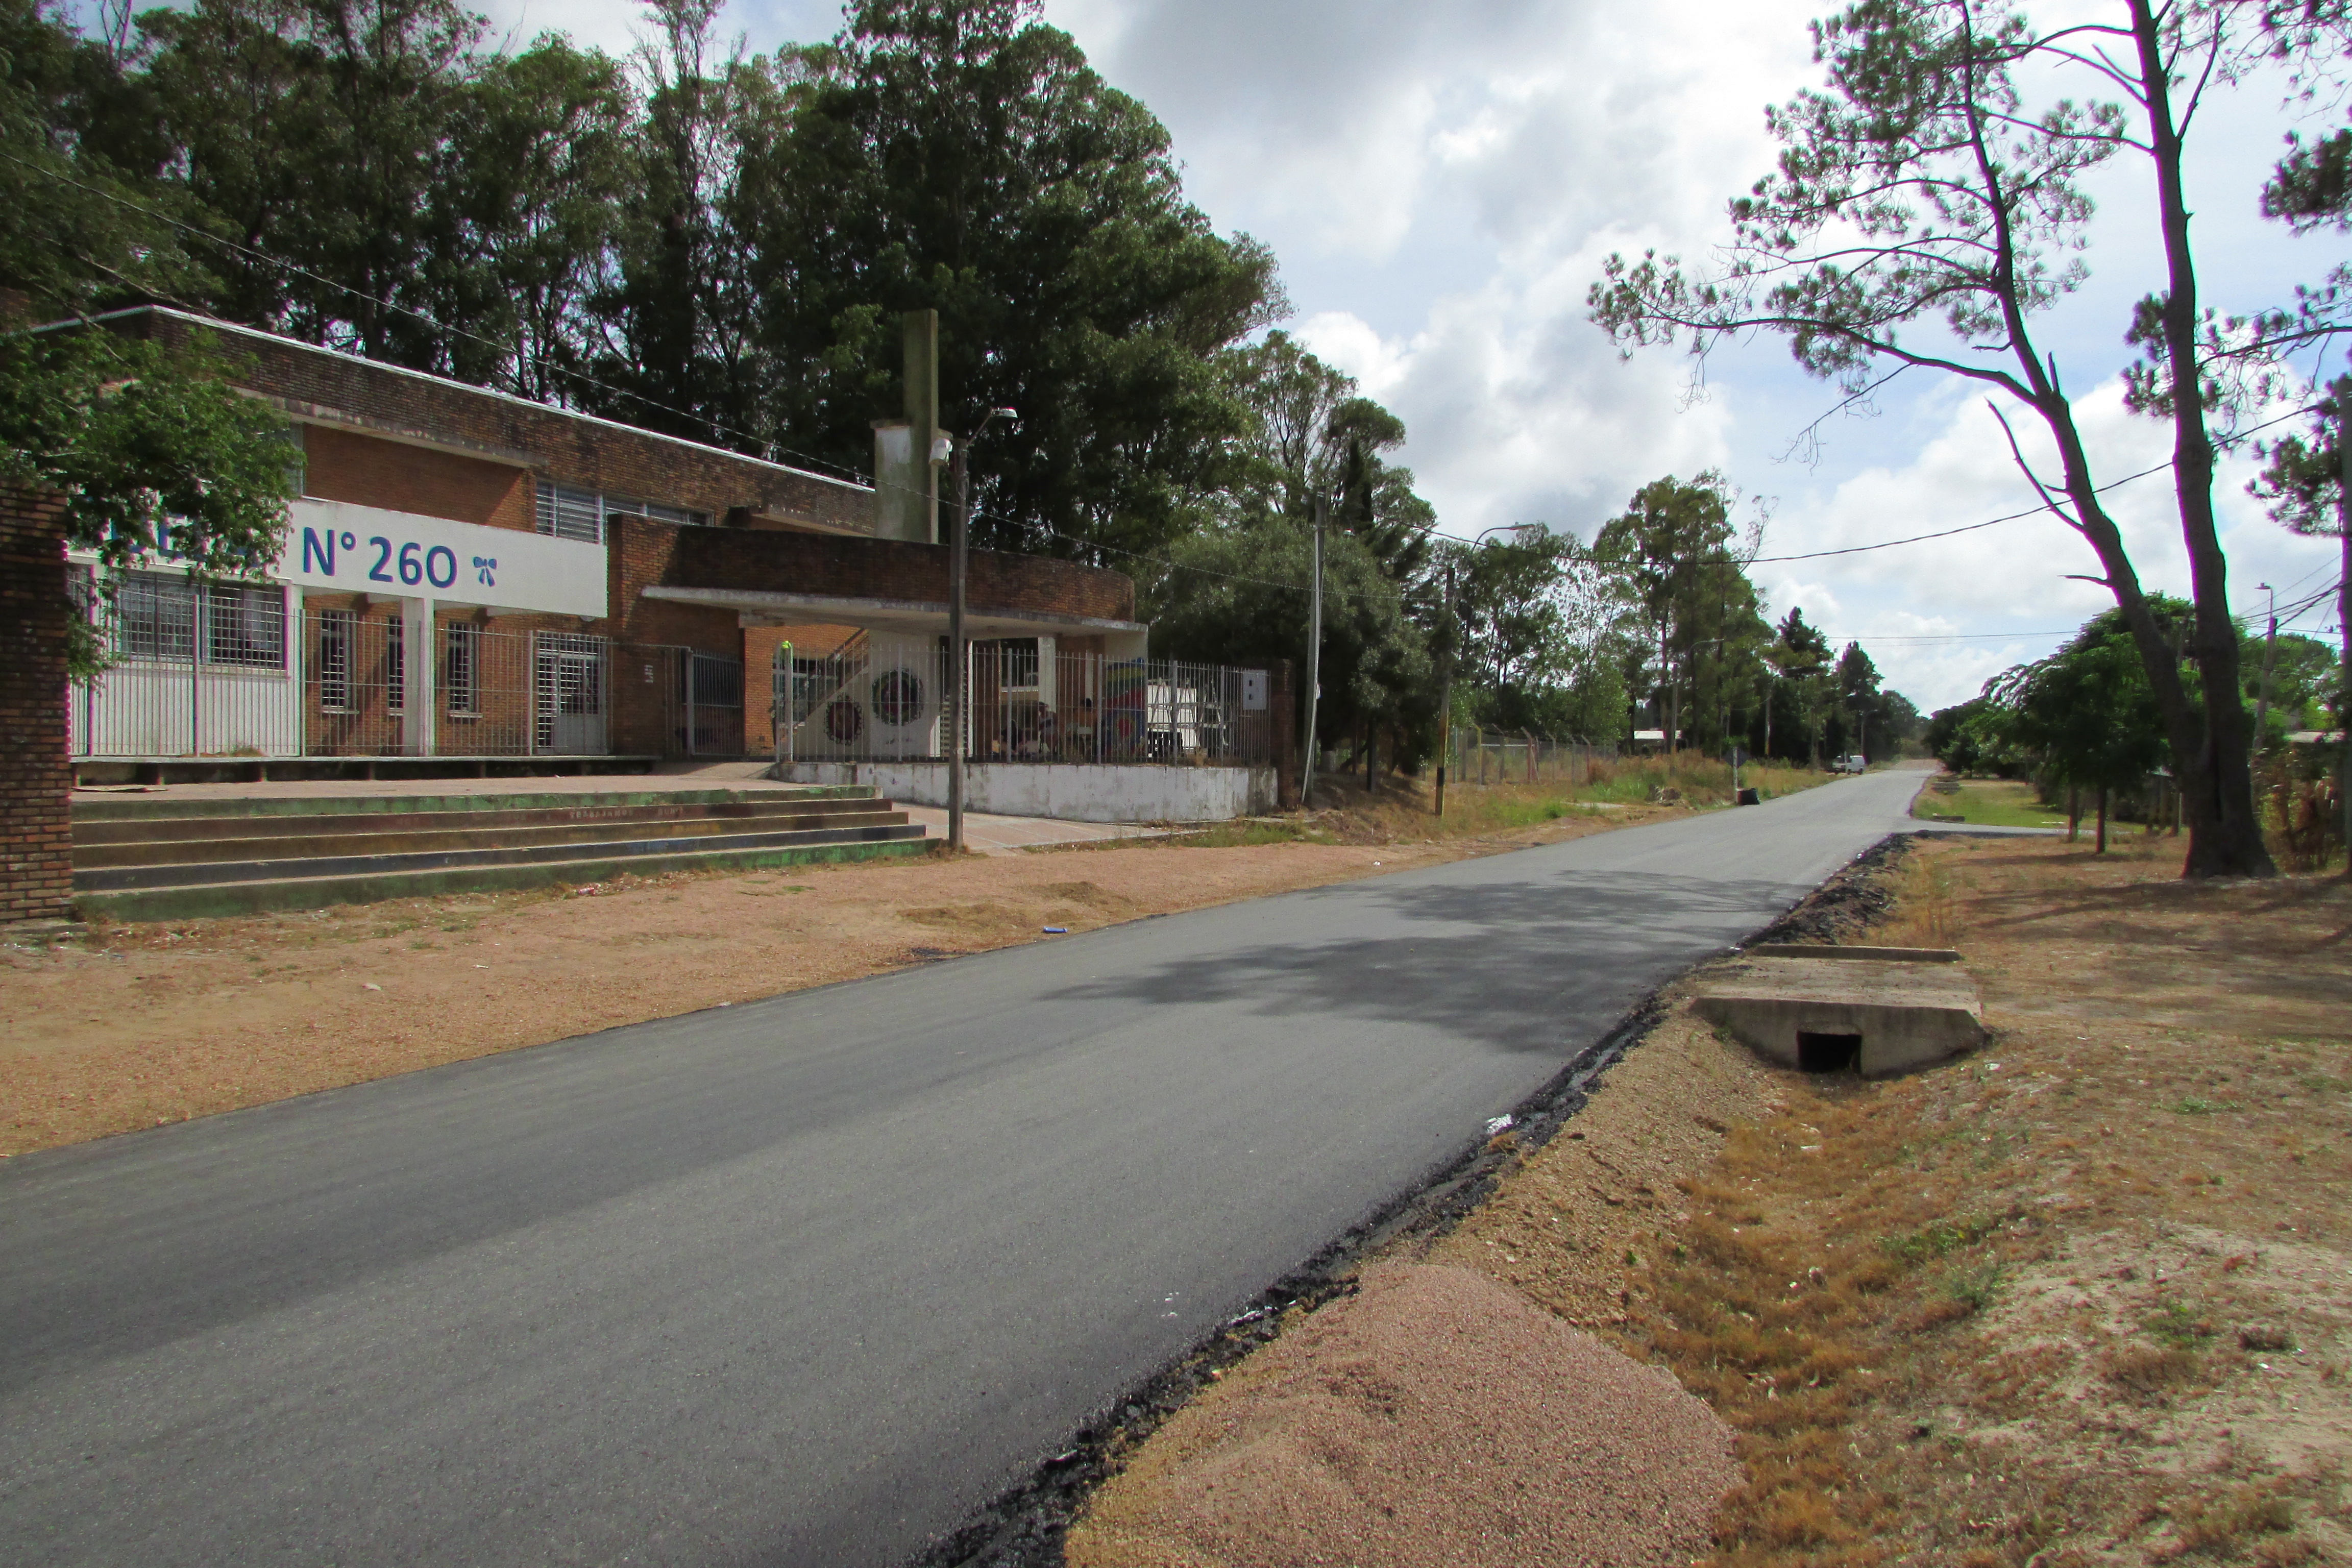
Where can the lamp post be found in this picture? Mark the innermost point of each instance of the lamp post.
(959, 562)
(1313, 666)
(1452, 651)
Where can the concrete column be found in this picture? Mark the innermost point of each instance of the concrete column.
(298, 700)
(921, 330)
(422, 656)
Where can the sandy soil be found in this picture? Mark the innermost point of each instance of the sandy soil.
(1434, 1419)
(1253, 1471)
(154, 1023)
(2079, 1299)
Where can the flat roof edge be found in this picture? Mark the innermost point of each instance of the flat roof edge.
(281, 339)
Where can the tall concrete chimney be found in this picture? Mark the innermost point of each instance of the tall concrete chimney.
(906, 484)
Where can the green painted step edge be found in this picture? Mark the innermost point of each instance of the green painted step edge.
(367, 805)
(321, 893)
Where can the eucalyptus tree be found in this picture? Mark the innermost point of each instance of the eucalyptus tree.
(1681, 562)
(317, 132)
(1923, 214)
(130, 434)
(961, 155)
(526, 215)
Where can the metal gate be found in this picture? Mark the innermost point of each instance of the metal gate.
(570, 678)
(714, 705)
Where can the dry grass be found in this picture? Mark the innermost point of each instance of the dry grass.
(1400, 808)
(2075, 1301)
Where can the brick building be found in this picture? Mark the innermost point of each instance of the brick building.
(468, 575)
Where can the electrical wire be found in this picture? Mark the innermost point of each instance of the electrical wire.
(819, 464)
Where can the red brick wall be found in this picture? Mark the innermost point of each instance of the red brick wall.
(866, 569)
(36, 775)
(568, 448)
(345, 466)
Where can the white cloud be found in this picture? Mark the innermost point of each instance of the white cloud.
(1442, 183)
(2022, 575)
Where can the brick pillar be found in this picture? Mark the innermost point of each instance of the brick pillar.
(36, 772)
(1282, 700)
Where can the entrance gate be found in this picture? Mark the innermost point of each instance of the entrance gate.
(568, 677)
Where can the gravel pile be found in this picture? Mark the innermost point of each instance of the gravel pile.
(1435, 1418)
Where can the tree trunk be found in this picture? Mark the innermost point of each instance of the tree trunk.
(2102, 846)
(2074, 814)
(2215, 770)
(2344, 604)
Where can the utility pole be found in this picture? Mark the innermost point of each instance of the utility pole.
(958, 652)
(1445, 690)
(1314, 663)
(1665, 691)
(2270, 647)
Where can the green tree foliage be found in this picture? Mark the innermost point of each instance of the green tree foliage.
(1681, 564)
(318, 133)
(1238, 589)
(961, 155)
(87, 224)
(138, 440)
(1797, 685)
(2087, 712)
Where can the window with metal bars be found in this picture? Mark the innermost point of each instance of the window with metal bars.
(335, 660)
(569, 512)
(461, 667)
(170, 619)
(395, 665)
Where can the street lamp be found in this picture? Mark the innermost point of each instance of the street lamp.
(1452, 644)
(959, 561)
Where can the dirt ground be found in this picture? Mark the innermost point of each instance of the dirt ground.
(2082, 1297)
(145, 1024)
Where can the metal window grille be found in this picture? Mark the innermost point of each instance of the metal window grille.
(170, 619)
(333, 664)
(243, 626)
(155, 619)
(395, 665)
(461, 667)
(569, 513)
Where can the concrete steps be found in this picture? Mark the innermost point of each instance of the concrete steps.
(171, 860)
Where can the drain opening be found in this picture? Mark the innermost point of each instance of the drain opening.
(1827, 1053)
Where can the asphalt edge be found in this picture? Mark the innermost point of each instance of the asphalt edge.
(1023, 1525)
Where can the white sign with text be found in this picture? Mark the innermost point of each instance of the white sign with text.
(351, 549)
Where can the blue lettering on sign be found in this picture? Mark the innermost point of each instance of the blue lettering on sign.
(434, 572)
(376, 573)
(321, 551)
(484, 565)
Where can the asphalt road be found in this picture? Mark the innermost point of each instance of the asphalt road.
(805, 1280)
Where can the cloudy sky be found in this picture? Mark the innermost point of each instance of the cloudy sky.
(1442, 184)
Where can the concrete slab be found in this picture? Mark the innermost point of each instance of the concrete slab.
(1885, 1016)
(990, 835)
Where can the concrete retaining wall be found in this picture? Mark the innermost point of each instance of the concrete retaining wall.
(1075, 792)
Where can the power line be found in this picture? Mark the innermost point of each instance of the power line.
(720, 428)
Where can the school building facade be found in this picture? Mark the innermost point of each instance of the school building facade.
(469, 576)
